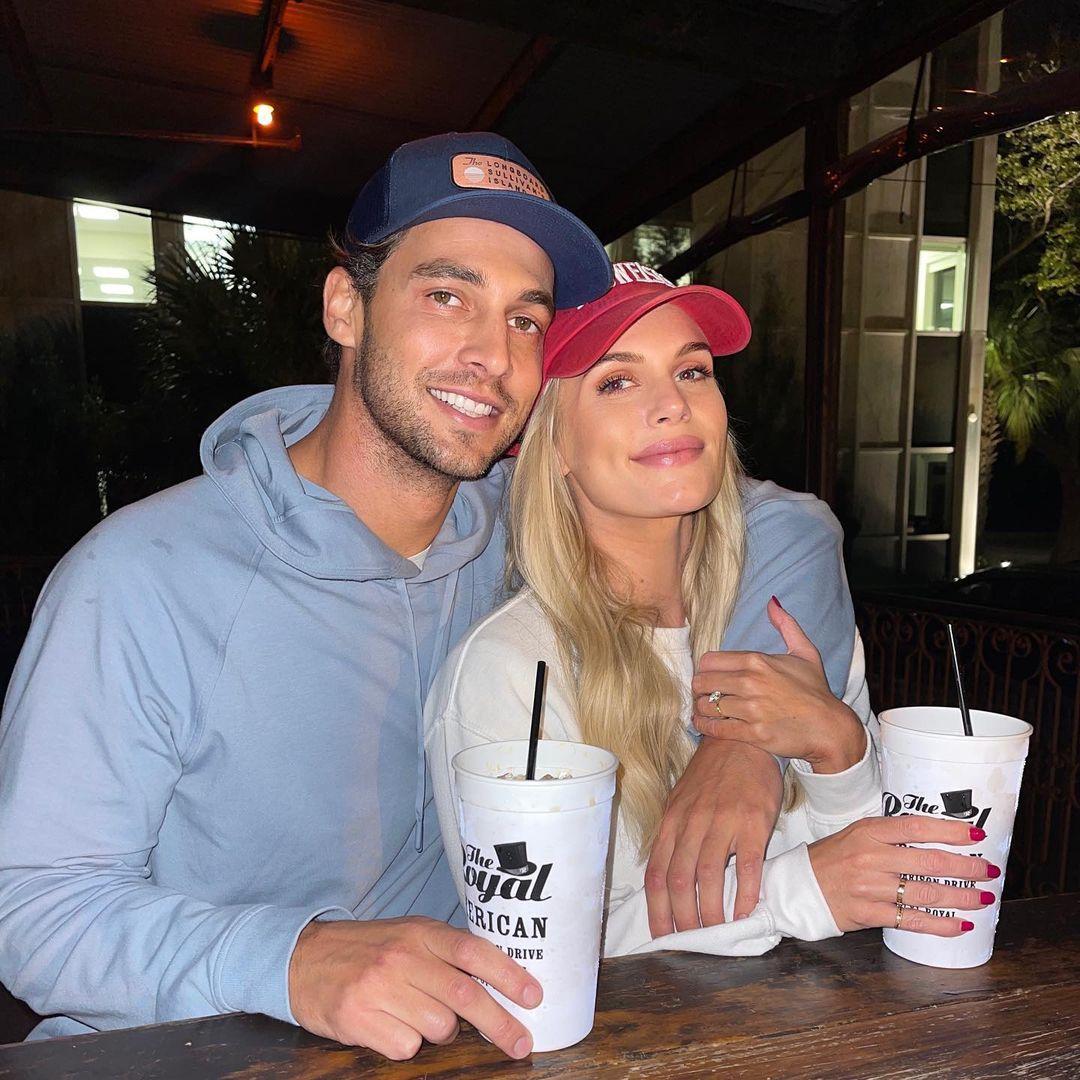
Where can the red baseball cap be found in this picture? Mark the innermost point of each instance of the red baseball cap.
(578, 337)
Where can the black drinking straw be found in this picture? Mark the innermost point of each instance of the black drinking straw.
(958, 676)
(538, 708)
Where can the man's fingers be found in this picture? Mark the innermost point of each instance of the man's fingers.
(478, 957)
(469, 1000)
(749, 864)
(712, 874)
(389, 1036)
(434, 1020)
(656, 889)
(683, 870)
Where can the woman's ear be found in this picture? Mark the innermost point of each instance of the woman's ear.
(343, 313)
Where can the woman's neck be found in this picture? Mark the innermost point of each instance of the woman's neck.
(649, 554)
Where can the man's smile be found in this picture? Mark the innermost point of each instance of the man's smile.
(467, 406)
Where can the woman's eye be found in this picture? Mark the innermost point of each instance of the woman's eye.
(613, 384)
(695, 374)
(525, 324)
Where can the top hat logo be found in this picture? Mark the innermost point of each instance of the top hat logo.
(958, 804)
(513, 859)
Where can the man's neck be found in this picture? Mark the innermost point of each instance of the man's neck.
(400, 501)
(649, 555)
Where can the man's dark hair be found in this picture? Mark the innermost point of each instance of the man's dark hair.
(362, 262)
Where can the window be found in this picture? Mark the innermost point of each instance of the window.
(942, 284)
(115, 249)
(206, 239)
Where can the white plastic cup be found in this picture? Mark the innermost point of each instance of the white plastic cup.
(930, 767)
(534, 856)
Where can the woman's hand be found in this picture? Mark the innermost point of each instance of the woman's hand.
(859, 871)
(782, 704)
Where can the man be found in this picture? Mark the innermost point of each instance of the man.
(212, 788)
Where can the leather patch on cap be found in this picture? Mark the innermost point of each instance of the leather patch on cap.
(495, 174)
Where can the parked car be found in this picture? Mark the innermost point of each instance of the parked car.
(1040, 589)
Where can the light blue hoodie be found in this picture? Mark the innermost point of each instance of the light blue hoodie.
(212, 734)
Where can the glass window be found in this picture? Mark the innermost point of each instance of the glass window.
(207, 239)
(942, 282)
(115, 247)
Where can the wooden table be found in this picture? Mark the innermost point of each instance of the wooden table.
(842, 1008)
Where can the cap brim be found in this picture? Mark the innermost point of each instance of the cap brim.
(722, 320)
(582, 267)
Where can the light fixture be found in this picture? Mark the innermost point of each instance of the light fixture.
(93, 212)
(264, 114)
(117, 290)
(110, 272)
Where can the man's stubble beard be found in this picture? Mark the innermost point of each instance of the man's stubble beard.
(403, 426)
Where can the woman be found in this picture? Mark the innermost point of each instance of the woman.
(626, 523)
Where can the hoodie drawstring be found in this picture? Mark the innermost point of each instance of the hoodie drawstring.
(442, 633)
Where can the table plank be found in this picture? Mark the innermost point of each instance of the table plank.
(842, 1008)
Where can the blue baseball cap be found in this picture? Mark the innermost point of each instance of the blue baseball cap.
(480, 175)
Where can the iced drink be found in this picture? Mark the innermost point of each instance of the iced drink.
(930, 767)
(534, 855)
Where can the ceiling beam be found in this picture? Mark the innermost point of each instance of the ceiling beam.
(22, 61)
(262, 74)
(776, 45)
(533, 59)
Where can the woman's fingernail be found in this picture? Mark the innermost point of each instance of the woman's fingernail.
(531, 996)
(777, 602)
(743, 915)
(965, 926)
(522, 1047)
(977, 833)
(987, 897)
(993, 871)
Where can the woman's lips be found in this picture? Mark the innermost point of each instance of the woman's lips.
(670, 452)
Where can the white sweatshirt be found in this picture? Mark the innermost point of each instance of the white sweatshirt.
(484, 694)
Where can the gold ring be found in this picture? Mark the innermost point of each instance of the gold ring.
(900, 893)
(899, 916)
(714, 700)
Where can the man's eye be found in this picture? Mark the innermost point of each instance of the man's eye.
(525, 324)
(442, 297)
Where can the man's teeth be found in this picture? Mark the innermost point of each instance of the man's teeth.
(463, 404)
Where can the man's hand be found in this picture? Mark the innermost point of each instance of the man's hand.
(725, 803)
(389, 984)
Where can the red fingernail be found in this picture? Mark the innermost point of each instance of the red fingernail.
(777, 602)
(977, 833)
(986, 897)
(965, 926)
(993, 871)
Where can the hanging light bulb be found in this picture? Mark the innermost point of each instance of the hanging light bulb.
(264, 114)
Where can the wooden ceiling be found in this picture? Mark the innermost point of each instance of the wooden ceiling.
(623, 107)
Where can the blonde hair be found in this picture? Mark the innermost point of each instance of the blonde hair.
(625, 697)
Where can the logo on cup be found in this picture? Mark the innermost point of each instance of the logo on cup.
(954, 804)
(958, 804)
(513, 859)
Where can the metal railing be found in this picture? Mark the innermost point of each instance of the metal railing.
(1014, 663)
